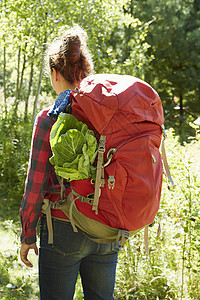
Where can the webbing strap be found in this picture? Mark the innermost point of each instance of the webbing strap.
(122, 237)
(164, 156)
(72, 202)
(98, 181)
(46, 209)
(84, 199)
(166, 166)
(62, 187)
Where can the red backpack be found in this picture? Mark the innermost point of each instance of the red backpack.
(126, 115)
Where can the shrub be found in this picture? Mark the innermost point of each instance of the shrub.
(15, 139)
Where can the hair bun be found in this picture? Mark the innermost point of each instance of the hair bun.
(69, 54)
(74, 50)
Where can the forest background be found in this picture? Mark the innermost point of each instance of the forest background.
(155, 40)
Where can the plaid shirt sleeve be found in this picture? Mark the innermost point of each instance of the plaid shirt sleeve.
(37, 177)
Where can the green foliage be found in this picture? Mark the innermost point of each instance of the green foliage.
(157, 41)
(126, 51)
(173, 67)
(14, 153)
(140, 278)
(28, 25)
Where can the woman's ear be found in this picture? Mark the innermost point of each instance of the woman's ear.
(55, 74)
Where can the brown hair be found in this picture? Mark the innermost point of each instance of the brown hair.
(70, 56)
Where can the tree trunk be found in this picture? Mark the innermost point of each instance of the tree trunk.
(17, 84)
(39, 82)
(29, 87)
(41, 72)
(22, 72)
(181, 115)
(4, 82)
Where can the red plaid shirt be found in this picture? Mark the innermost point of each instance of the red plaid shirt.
(41, 181)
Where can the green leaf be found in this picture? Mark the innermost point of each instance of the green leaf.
(92, 146)
(73, 164)
(84, 162)
(62, 125)
(68, 146)
(52, 160)
(69, 173)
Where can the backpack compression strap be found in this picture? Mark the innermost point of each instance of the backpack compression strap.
(99, 182)
(164, 157)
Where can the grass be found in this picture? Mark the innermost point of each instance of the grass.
(16, 280)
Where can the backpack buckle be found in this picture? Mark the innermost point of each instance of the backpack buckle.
(122, 237)
(109, 156)
(102, 141)
(164, 131)
(111, 182)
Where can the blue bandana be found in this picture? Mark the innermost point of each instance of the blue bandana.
(60, 104)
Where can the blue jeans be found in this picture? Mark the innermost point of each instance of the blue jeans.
(73, 253)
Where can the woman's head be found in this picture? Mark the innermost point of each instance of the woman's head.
(70, 56)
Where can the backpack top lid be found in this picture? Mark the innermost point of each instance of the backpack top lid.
(102, 95)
